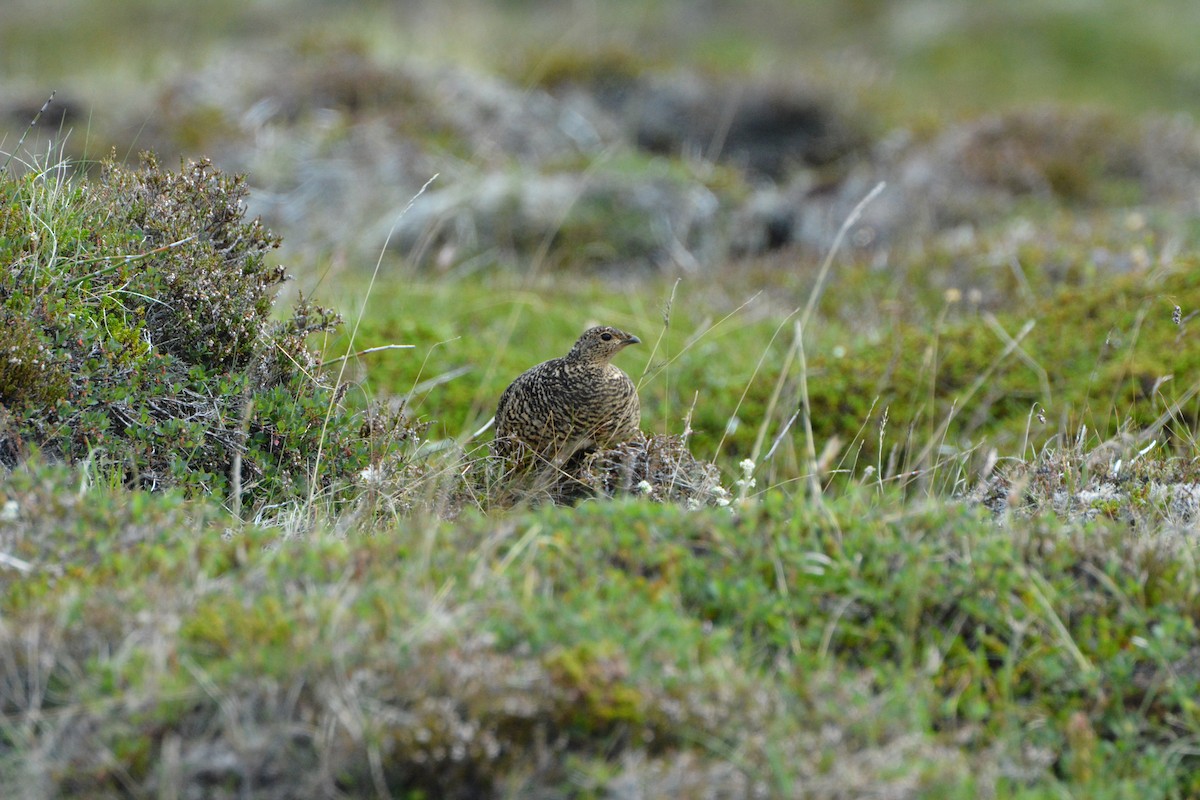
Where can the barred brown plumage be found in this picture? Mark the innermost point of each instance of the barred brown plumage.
(566, 405)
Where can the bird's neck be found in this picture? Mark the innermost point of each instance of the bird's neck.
(578, 360)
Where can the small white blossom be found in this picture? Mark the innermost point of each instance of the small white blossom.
(372, 474)
(746, 482)
(721, 495)
(10, 511)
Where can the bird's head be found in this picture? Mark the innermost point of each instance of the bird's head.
(598, 345)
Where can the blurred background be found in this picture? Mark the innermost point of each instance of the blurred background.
(616, 135)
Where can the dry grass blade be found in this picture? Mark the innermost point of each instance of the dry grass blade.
(1013, 343)
(819, 287)
(32, 123)
(316, 469)
(797, 352)
(378, 349)
(15, 563)
(695, 339)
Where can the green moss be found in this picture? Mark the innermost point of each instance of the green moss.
(1104, 356)
(595, 678)
(607, 69)
(1078, 157)
(599, 632)
(198, 128)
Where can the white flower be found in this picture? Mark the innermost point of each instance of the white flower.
(10, 511)
(372, 475)
(721, 494)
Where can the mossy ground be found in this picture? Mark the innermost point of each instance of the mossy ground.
(916, 599)
(865, 631)
(1102, 354)
(934, 651)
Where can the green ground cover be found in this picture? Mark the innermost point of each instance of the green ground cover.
(921, 582)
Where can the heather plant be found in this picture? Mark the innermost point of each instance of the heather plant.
(138, 334)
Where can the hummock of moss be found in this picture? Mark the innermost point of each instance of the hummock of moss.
(1104, 359)
(136, 313)
(867, 642)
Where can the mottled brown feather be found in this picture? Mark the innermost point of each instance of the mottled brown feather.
(578, 402)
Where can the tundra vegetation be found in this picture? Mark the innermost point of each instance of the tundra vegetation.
(914, 513)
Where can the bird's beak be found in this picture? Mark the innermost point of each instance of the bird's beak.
(633, 340)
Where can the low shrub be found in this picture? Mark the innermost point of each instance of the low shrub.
(137, 330)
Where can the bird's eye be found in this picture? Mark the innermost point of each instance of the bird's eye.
(606, 336)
